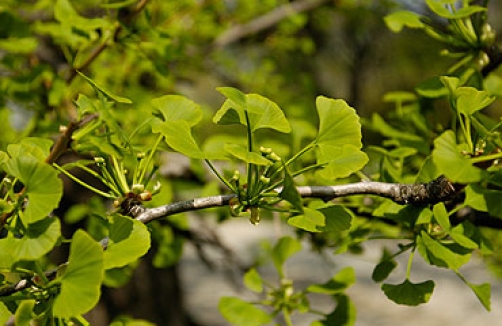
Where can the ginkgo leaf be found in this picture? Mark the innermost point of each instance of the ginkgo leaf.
(43, 187)
(81, 281)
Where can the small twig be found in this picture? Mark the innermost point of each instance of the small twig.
(269, 19)
(63, 142)
(438, 190)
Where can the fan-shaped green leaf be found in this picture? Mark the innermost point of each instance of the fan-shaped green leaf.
(36, 147)
(24, 313)
(262, 112)
(178, 135)
(177, 107)
(241, 152)
(242, 313)
(310, 220)
(39, 239)
(399, 19)
(338, 123)
(438, 7)
(129, 239)
(446, 155)
(471, 100)
(485, 200)
(338, 218)
(253, 280)
(483, 292)
(408, 293)
(341, 161)
(81, 281)
(110, 95)
(337, 284)
(440, 254)
(235, 95)
(43, 187)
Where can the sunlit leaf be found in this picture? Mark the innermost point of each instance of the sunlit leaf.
(408, 293)
(483, 293)
(253, 280)
(177, 107)
(266, 114)
(438, 7)
(24, 313)
(337, 284)
(485, 200)
(446, 155)
(110, 95)
(441, 216)
(43, 186)
(311, 220)
(242, 313)
(341, 161)
(471, 100)
(36, 147)
(262, 112)
(129, 239)
(399, 19)
(4, 313)
(39, 239)
(81, 282)
(338, 123)
(235, 95)
(178, 135)
(445, 255)
(461, 237)
(241, 152)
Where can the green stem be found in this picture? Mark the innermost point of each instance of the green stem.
(119, 173)
(40, 272)
(252, 169)
(484, 158)
(219, 176)
(110, 181)
(410, 262)
(83, 184)
(291, 160)
(144, 166)
(287, 316)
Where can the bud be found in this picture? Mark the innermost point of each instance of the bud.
(274, 157)
(138, 188)
(265, 150)
(236, 175)
(99, 160)
(255, 215)
(156, 188)
(145, 196)
(264, 179)
(487, 35)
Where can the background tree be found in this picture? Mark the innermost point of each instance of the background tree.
(64, 63)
